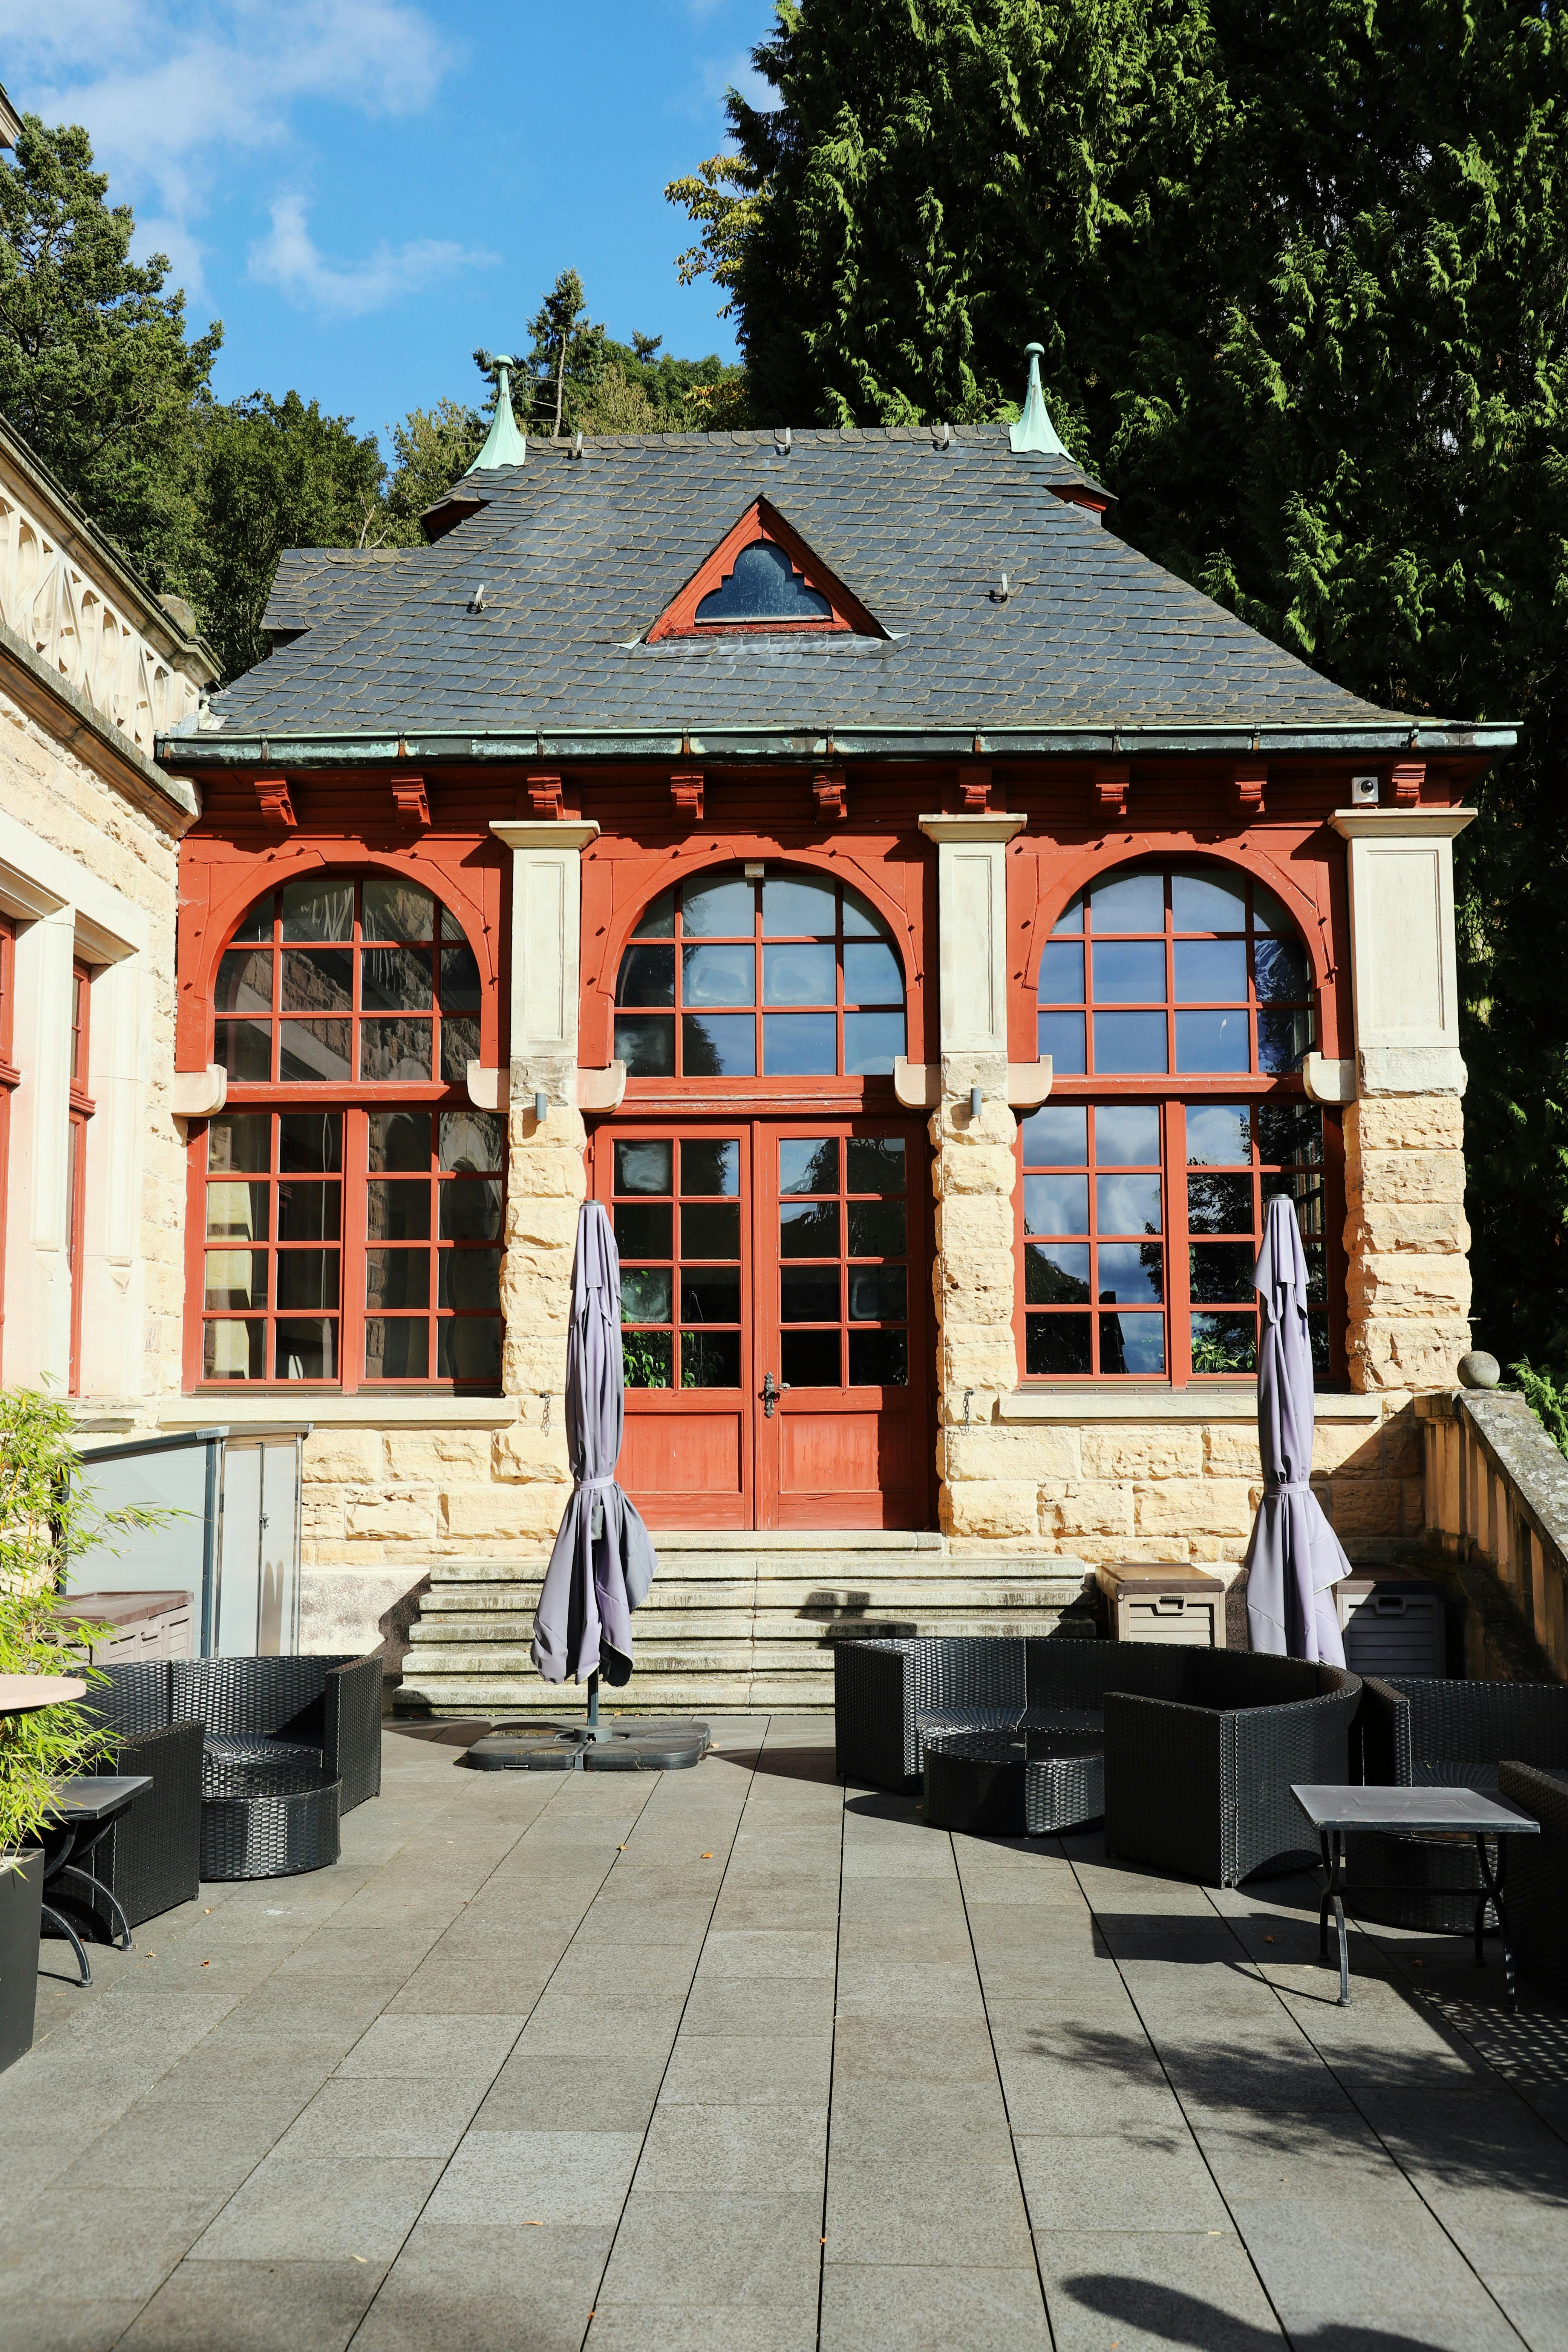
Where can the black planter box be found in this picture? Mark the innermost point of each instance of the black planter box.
(21, 1898)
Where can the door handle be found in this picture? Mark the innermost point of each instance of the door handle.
(772, 1391)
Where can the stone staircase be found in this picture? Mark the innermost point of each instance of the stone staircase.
(734, 1620)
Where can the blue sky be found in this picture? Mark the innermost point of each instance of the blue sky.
(363, 190)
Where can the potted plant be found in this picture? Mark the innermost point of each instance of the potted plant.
(46, 1516)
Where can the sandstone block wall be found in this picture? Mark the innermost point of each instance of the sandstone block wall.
(1408, 1280)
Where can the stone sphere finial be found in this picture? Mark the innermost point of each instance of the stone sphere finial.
(1480, 1371)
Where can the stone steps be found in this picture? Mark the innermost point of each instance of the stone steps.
(733, 1622)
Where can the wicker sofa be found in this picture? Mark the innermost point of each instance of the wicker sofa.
(1536, 1893)
(1201, 1745)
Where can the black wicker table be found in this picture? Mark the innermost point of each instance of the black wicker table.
(1334, 1812)
(268, 1809)
(84, 1811)
(1014, 1783)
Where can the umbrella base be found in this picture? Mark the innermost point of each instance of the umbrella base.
(653, 1746)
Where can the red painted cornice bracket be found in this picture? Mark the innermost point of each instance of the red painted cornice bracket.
(1248, 783)
(408, 793)
(685, 792)
(829, 784)
(974, 783)
(544, 796)
(1405, 781)
(1110, 785)
(277, 808)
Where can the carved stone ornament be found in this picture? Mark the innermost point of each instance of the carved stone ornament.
(273, 801)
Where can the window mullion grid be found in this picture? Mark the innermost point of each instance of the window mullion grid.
(352, 1207)
(1178, 1256)
(1092, 1219)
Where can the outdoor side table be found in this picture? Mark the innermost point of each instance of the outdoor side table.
(83, 1811)
(1335, 1812)
(1014, 1783)
(268, 1809)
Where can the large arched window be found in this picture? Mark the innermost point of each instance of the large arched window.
(741, 974)
(1176, 1004)
(352, 1242)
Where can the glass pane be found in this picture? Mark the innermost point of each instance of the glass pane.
(710, 1168)
(809, 1164)
(1283, 1037)
(1131, 1274)
(646, 977)
(645, 1166)
(877, 1293)
(710, 1359)
(307, 1277)
(308, 1212)
(472, 1141)
(1212, 1041)
(398, 1350)
(1056, 1274)
(237, 1212)
(1128, 971)
(721, 907)
(322, 907)
(718, 975)
(1286, 1131)
(878, 1359)
(1134, 902)
(644, 1295)
(1133, 1343)
(1225, 1343)
(876, 1163)
(871, 1043)
(718, 1045)
(1219, 1204)
(399, 1140)
(258, 923)
(809, 1296)
(1211, 971)
(1318, 1333)
(396, 980)
(242, 1139)
(647, 1046)
(709, 1231)
(1268, 914)
(306, 1352)
(1058, 1346)
(459, 1046)
(1056, 1204)
(471, 1209)
(794, 975)
(647, 1357)
(1222, 1272)
(394, 1052)
(1218, 1136)
(468, 1278)
(1071, 916)
(310, 1140)
(658, 919)
(397, 1210)
(1061, 1036)
(243, 981)
(800, 1045)
(1281, 968)
(313, 1053)
(1057, 1136)
(1130, 1043)
(459, 980)
(1061, 973)
(1127, 1135)
(390, 909)
(798, 904)
(397, 1277)
(643, 1231)
(233, 1351)
(710, 1297)
(810, 1360)
(236, 1278)
(859, 921)
(877, 1229)
(809, 1231)
(1127, 1204)
(243, 1048)
(1207, 900)
(871, 975)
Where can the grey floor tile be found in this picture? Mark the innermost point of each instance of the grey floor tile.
(492, 2287)
(587, 2091)
(519, 2176)
(672, 2327)
(164, 2144)
(78, 2322)
(1537, 2307)
(436, 2048)
(754, 2070)
(881, 2122)
(135, 2237)
(366, 2115)
(879, 2308)
(924, 2214)
(898, 2047)
(1147, 2177)
(563, 2024)
(734, 2008)
(731, 2148)
(321, 2208)
(716, 2250)
(256, 2307)
(1150, 2290)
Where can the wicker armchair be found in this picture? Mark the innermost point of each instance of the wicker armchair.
(1419, 1733)
(1537, 1889)
(330, 1704)
(149, 1859)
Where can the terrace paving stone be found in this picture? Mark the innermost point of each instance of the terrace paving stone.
(256, 2307)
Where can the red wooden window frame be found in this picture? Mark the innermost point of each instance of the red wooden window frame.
(762, 523)
(10, 1077)
(81, 1109)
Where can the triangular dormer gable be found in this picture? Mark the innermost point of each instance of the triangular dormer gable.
(762, 576)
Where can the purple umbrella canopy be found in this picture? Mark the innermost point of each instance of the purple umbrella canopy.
(603, 1563)
(1294, 1559)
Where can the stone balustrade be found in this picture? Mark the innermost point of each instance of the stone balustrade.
(1497, 1493)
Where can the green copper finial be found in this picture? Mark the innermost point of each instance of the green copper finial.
(1033, 431)
(504, 444)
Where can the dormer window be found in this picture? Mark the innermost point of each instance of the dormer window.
(763, 587)
(762, 576)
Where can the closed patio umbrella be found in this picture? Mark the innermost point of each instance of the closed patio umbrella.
(1294, 1559)
(603, 1562)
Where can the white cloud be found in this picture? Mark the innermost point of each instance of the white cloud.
(289, 258)
(716, 76)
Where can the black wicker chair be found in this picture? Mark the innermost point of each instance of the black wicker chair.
(149, 1859)
(329, 1704)
(1537, 1886)
(1201, 1745)
(1419, 1733)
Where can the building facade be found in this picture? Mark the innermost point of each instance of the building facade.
(932, 930)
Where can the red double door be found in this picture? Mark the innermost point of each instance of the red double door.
(774, 1282)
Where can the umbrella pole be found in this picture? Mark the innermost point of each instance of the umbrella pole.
(593, 1707)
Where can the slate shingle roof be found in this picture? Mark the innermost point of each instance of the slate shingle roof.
(578, 558)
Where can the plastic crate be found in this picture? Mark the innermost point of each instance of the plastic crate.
(1393, 1623)
(146, 1625)
(1157, 1601)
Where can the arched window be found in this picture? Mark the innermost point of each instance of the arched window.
(786, 974)
(355, 1242)
(1176, 1004)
